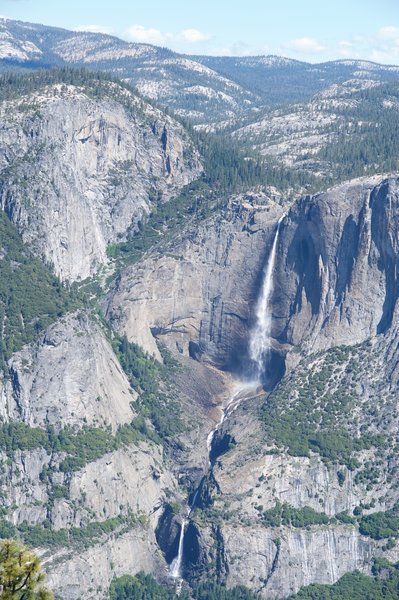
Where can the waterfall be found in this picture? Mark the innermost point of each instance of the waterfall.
(227, 408)
(259, 346)
(230, 406)
(175, 567)
(259, 343)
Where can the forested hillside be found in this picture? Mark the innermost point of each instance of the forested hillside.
(199, 320)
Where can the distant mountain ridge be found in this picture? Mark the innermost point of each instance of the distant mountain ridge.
(202, 89)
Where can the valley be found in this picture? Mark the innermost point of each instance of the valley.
(199, 344)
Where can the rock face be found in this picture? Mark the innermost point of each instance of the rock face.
(335, 284)
(133, 479)
(276, 569)
(129, 484)
(277, 561)
(199, 298)
(77, 173)
(335, 277)
(70, 377)
(88, 574)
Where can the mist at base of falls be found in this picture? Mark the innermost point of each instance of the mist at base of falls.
(273, 371)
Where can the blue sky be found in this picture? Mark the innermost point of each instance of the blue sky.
(311, 30)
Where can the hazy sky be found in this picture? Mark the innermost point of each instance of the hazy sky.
(312, 30)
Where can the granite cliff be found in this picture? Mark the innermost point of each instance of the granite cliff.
(333, 308)
(112, 428)
(82, 164)
(333, 328)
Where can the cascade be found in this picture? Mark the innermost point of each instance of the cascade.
(259, 342)
(228, 408)
(259, 347)
(176, 565)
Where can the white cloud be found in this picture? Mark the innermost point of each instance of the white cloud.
(150, 35)
(194, 36)
(381, 47)
(306, 45)
(346, 49)
(389, 33)
(379, 56)
(94, 29)
(384, 46)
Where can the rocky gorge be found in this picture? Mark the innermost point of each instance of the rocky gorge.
(254, 475)
(142, 429)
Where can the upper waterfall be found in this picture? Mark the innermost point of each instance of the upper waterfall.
(259, 342)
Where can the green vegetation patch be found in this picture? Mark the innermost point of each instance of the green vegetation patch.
(195, 202)
(144, 587)
(83, 537)
(383, 585)
(141, 587)
(229, 169)
(213, 591)
(378, 525)
(77, 448)
(312, 410)
(153, 381)
(381, 525)
(95, 83)
(31, 297)
(368, 140)
(284, 514)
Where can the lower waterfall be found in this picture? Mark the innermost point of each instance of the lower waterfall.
(176, 565)
(259, 348)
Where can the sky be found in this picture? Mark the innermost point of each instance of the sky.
(310, 30)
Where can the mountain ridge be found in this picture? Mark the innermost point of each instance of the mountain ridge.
(202, 89)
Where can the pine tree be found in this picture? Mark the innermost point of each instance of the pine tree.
(20, 573)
